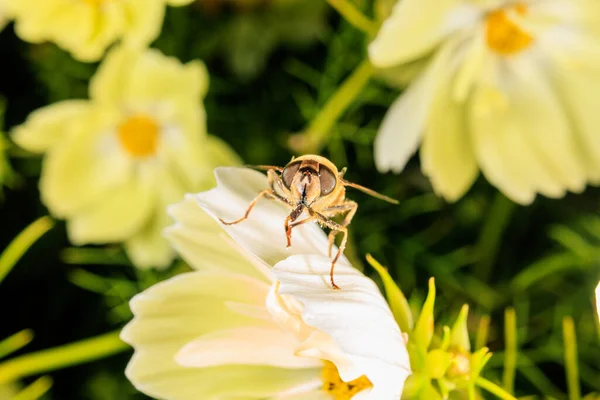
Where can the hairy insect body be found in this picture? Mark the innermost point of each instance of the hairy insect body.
(312, 186)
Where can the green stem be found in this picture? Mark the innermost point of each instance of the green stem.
(62, 356)
(36, 390)
(354, 16)
(100, 256)
(482, 332)
(491, 235)
(22, 243)
(570, 343)
(315, 135)
(510, 353)
(494, 389)
(15, 342)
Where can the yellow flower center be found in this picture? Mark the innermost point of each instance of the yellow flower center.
(338, 389)
(138, 135)
(503, 35)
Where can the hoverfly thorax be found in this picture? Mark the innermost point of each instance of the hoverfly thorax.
(308, 180)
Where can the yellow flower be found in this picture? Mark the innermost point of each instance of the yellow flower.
(509, 88)
(115, 161)
(4, 17)
(238, 329)
(86, 28)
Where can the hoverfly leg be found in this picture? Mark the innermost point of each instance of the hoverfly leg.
(344, 230)
(289, 222)
(335, 229)
(267, 193)
(347, 206)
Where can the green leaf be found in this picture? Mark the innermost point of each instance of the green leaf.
(395, 297)
(438, 362)
(459, 337)
(423, 331)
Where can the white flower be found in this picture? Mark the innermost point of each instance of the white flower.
(509, 89)
(230, 330)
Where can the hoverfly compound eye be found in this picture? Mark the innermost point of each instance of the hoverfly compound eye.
(328, 180)
(287, 176)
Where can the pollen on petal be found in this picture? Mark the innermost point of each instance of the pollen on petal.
(338, 389)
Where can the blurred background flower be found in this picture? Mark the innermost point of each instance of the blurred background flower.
(276, 67)
(114, 162)
(87, 28)
(8, 177)
(507, 90)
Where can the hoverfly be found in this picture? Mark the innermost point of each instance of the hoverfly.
(312, 183)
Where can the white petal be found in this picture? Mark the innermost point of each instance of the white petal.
(356, 318)
(263, 232)
(200, 240)
(400, 131)
(244, 346)
(181, 309)
(415, 27)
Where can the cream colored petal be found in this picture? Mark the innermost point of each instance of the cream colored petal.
(106, 26)
(118, 216)
(202, 243)
(156, 77)
(262, 233)
(31, 18)
(447, 155)
(311, 390)
(175, 312)
(86, 163)
(401, 129)
(356, 318)
(48, 126)
(149, 78)
(579, 89)
(179, 3)
(145, 22)
(82, 29)
(525, 126)
(416, 27)
(184, 146)
(148, 248)
(83, 168)
(504, 157)
(106, 86)
(245, 346)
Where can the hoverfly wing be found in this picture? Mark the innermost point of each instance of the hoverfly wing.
(370, 192)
